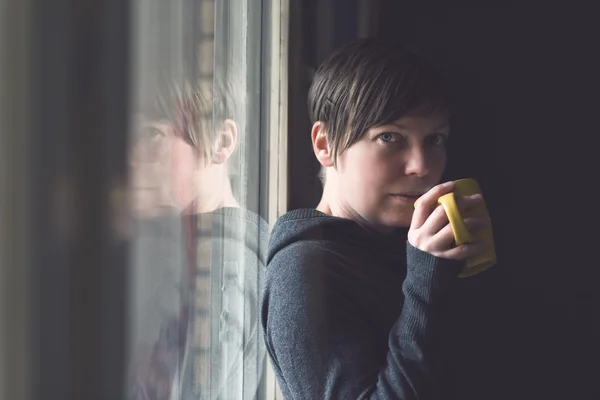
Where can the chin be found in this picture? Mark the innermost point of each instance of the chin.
(396, 220)
(388, 226)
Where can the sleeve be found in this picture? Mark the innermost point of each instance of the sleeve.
(321, 349)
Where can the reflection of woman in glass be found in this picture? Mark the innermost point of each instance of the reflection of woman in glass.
(198, 256)
(355, 287)
(175, 167)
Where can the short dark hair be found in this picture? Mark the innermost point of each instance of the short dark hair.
(195, 108)
(368, 83)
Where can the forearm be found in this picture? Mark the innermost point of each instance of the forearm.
(411, 361)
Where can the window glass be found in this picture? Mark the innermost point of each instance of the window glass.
(196, 159)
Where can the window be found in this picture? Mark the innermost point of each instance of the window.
(206, 180)
(174, 112)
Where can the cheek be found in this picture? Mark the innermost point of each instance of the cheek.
(367, 173)
(152, 170)
(182, 159)
(183, 164)
(381, 171)
(437, 163)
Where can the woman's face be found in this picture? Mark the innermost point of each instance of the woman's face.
(380, 177)
(163, 169)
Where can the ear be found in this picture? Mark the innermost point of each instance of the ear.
(226, 141)
(321, 145)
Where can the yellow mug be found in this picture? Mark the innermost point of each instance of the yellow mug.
(477, 264)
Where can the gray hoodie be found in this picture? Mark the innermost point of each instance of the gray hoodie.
(350, 313)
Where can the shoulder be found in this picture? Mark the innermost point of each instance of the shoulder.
(301, 261)
(298, 287)
(306, 272)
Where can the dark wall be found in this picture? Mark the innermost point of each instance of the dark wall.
(525, 91)
(317, 28)
(304, 187)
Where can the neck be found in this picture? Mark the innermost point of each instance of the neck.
(326, 199)
(219, 194)
(207, 205)
(332, 205)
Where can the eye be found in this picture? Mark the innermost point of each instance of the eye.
(149, 141)
(389, 137)
(150, 133)
(439, 139)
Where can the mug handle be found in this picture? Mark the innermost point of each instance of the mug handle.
(461, 234)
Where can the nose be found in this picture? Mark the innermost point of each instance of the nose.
(416, 163)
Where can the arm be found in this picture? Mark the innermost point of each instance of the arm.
(411, 360)
(323, 350)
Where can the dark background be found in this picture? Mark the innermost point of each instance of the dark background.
(524, 85)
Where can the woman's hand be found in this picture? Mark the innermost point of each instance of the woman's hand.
(430, 230)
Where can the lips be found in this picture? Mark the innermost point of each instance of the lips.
(415, 195)
(405, 198)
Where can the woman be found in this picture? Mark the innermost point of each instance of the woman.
(355, 287)
(198, 257)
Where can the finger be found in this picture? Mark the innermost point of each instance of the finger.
(444, 239)
(465, 251)
(436, 221)
(475, 224)
(427, 203)
(466, 203)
